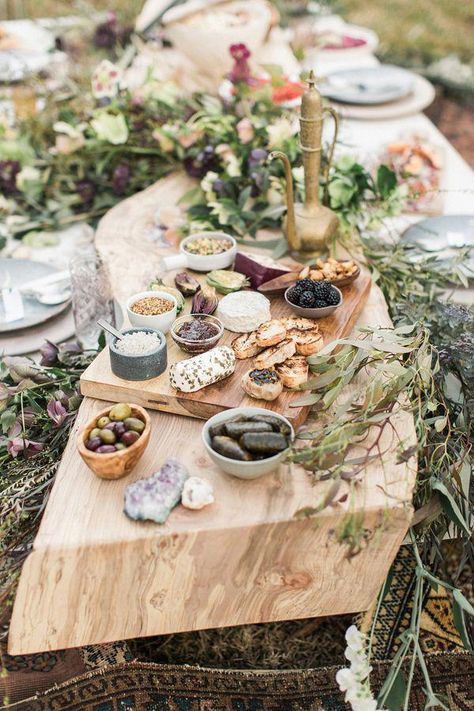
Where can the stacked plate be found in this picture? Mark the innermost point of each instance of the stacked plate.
(379, 92)
(35, 304)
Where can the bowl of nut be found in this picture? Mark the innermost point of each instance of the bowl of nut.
(339, 273)
(203, 252)
(152, 309)
(114, 440)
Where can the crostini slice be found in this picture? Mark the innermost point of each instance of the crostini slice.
(298, 322)
(306, 342)
(245, 346)
(270, 333)
(263, 384)
(293, 372)
(276, 354)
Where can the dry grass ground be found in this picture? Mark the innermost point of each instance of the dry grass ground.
(417, 30)
(409, 30)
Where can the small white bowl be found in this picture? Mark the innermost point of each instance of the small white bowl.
(160, 322)
(200, 262)
(243, 470)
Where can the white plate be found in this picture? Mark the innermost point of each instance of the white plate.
(31, 52)
(368, 85)
(16, 272)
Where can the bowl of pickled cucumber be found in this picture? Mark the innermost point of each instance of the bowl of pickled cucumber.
(114, 440)
(247, 442)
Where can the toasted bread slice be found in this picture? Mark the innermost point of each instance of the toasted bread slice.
(245, 346)
(276, 354)
(306, 342)
(298, 322)
(262, 384)
(293, 372)
(270, 333)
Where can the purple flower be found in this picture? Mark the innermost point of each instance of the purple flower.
(218, 186)
(240, 72)
(57, 412)
(9, 169)
(200, 165)
(86, 190)
(108, 33)
(49, 354)
(19, 445)
(120, 179)
(257, 157)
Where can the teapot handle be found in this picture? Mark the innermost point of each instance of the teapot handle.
(335, 115)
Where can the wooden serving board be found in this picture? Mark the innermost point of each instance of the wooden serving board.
(95, 576)
(98, 380)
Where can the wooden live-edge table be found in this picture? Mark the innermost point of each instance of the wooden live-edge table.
(96, 576)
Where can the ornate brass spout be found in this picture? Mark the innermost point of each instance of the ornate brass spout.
(310, 225)
(293, 239)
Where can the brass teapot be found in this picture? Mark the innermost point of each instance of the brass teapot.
(310, 225)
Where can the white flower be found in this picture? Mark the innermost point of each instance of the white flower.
(354, 681)
(364, 705)
(207, 183)
(28, 181)
(110, 127)
(354, 638)
(219, 210)
(106, 80)
(280, 131)
(345, 679)
(232, 163)
(70, 138)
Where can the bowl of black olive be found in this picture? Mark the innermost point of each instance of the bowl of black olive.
(247, 442)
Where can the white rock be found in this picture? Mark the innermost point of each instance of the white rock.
(197, 493)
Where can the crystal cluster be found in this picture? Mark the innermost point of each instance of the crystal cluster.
(154, 498)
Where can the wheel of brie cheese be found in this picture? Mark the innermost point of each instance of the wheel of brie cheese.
(243, 311)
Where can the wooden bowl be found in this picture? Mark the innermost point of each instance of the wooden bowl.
(116, 464)
(346, 280)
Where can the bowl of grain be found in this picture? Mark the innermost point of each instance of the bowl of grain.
(139, 355)
(152, 309)
(203, 252)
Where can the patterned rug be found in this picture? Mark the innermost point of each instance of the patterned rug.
(25, 675)
(437, 630)
(313, 648)
(139, 686)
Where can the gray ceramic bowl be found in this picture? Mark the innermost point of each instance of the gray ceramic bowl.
(314, 313)
(243, 470)
(139, 367)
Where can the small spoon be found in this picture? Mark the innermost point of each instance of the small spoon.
(53, 298)
(110, 329)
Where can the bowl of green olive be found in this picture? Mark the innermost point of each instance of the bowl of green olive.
(114, 440)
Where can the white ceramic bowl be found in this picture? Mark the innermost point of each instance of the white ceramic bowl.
(160, 322)
(314, 313)
(243, 470)
(205, 36)
(198, 262)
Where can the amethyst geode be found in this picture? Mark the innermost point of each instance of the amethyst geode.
(154, 498)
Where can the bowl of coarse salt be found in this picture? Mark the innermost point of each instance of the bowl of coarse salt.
(139, 355)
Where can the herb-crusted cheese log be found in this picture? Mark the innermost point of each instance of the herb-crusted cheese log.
(195, 373)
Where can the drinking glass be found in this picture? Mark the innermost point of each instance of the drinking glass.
(91, 297)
